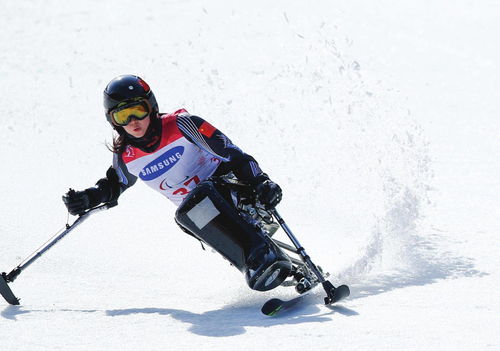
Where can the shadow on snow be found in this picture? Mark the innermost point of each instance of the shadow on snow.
(233, 320)
(227, 321)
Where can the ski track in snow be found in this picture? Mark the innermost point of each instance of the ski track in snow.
(380, 126)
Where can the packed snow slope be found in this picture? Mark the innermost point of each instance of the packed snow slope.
(378, 119)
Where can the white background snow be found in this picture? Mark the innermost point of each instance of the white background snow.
(378, 119)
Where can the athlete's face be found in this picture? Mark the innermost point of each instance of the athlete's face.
(137, 128)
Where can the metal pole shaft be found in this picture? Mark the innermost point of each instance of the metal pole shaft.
(300, 250)
(51, 243)
(16, 271)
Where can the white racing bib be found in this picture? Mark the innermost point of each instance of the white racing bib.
(175, 168)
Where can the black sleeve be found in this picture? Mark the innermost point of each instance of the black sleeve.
(212, 140)
(106, 190)
(109, 189)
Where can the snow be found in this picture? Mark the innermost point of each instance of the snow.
(378, 119)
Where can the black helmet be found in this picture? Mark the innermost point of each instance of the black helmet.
(128, 88)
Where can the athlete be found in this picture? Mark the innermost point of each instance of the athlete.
(170, 152)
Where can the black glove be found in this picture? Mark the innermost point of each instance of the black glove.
(269, 193)
(106, 190)
(77, 202)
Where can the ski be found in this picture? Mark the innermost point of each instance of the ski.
(274, 306)
(7, 294)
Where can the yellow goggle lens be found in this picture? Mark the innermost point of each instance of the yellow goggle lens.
(123, 116)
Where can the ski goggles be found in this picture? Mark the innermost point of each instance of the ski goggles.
(122, 115)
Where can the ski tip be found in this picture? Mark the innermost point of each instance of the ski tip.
(272, 307)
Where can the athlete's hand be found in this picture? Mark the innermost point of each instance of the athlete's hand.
(77, 202)
(269, 193)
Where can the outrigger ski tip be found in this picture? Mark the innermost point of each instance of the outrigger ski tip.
(7, 294)
(335, 294)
